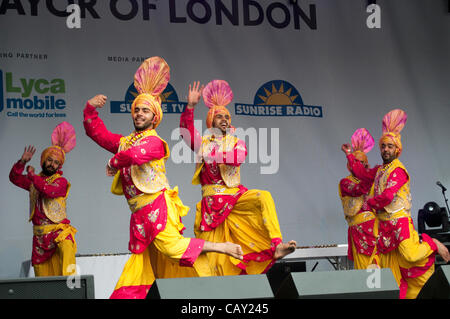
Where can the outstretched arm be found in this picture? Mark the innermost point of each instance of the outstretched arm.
(188, 131)
(58, 188)
(149, 149)
(226, 248)
(96, 129)
(16, 176)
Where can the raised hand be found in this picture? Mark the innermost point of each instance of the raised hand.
(195, 93)
(346, 148)
(28, 154)
(98, 101)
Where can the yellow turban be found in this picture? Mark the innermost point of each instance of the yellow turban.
(54, 151)
(150, 80)
(361, 156)
(152, 102)
(213, 111)
(396, 139)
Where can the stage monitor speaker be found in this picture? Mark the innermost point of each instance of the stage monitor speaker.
(353, 284)
(220, 287)
(58, 287)
(281, 270)
(438, 285)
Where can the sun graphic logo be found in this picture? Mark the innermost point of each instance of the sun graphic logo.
(278, 98)
(169, 101)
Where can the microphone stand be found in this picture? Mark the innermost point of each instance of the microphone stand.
(446, 201)
(446, 221)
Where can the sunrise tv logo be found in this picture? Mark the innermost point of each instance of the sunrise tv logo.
(169, 101)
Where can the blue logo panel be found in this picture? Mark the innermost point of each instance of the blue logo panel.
(169, 101)
(278, 98)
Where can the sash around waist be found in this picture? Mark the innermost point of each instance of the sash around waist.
(214, 189)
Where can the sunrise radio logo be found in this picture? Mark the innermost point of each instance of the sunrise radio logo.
(278, 98)
(169, 101)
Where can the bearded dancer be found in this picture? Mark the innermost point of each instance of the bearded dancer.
(360, 219)
(54, 245)
(229, 211)
(410, 256)
(158, 248)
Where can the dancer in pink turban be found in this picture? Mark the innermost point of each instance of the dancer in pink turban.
(228, 210)
(361, 220)
(54, 245)
(409, 255)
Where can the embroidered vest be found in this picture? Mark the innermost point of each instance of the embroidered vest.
(149, 177)
(53, 208)
(351, 205)
(230, 174)
(402, 199)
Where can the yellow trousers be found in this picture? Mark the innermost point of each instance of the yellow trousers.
(62, 263)
(252, 223)
(410, 253)
(161, 259)
(361, 261)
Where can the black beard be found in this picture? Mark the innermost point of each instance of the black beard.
(48, 172)
(142, 128)
(389, 159)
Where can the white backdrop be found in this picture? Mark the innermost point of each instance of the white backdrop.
(353, 73)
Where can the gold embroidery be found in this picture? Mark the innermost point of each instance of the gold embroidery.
(230, 174)
(153, 215)
(402, 199)
(53, 208)
(149, 177)
(140, 229)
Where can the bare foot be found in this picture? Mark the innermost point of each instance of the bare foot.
(285, 249)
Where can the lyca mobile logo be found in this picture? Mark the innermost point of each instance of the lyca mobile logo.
(169, 101)
(278, 98)
(31, 97)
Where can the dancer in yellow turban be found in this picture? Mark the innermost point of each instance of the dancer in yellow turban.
(54, 245)
(158, 247)
(410, 256)
(229, 211)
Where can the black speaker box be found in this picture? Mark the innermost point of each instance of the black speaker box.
(437, 286)
(352, 284)
(58, 287)
(223, 287)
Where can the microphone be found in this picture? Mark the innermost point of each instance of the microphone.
(438, 183)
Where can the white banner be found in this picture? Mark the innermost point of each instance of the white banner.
(305, 76)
